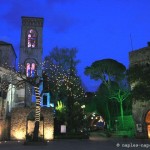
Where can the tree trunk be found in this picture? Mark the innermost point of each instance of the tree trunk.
(109, 122)
(36, 131)
(122, 115)
(37, 114)
(70, 114)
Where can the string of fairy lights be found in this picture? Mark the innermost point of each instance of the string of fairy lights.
(59, 80)
(62, 79)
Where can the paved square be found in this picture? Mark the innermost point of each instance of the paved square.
(92, 144)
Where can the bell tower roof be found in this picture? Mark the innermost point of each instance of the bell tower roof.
(32, 21)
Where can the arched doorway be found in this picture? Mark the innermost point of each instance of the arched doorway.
(31, 122)
(147, 120)
(96, 122)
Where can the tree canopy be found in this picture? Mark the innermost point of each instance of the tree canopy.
(63, 57)
(60, 66)
(138, 77)
(106, 70)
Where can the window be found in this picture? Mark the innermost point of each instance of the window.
(32, 38)
(45, 100)
(33, 70)
(30, 70)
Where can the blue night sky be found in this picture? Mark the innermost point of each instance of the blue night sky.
(97, 28)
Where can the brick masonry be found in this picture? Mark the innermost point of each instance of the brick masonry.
(19, 127)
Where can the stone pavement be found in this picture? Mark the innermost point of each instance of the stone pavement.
(91, 144)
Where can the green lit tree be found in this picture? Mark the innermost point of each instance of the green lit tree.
(108, 71)
(103, 105)
(61, 111)
(120, 95)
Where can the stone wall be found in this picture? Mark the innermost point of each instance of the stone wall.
(139, 111)
(1, 127)
(5, 129)
(48, 123)
(8, 55)
(19, 123)
(140, 108)
(140, 56)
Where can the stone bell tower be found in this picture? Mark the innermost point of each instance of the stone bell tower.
(31, 46)
(30, 57)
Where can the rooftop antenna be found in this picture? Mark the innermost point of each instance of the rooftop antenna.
(131, 42)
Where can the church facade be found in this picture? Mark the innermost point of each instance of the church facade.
(17, 103)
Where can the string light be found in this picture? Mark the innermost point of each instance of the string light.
(61, 80)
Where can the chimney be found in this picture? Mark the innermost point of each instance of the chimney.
(148, 43)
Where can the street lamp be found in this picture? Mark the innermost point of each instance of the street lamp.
(84, 121)
(83, 107)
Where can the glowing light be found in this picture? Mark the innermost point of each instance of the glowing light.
(0, 131)
(83, 106)
(19, 135)
(32, 37)
(33, 69)
(30, 127)
(48, 133)
(101, 119)
(147, 120)
(148, 130)
(93, 114)
(27, 69)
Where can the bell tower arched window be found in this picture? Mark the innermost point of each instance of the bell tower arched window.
(30, 69)
(31, 38)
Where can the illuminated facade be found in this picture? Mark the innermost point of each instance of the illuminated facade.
(17, 104)
(142, 119)
(22, 123)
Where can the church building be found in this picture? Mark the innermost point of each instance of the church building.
(17, 101)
